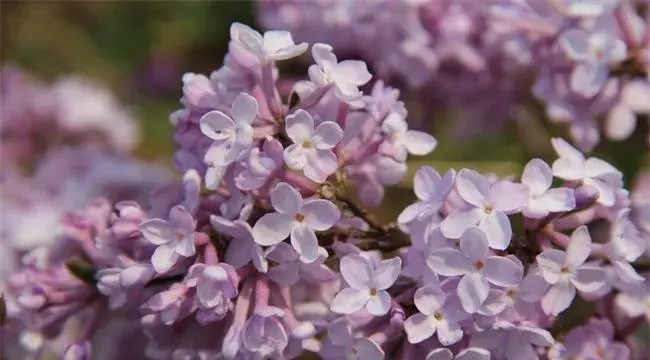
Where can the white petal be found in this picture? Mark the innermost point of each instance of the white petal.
(386, 273)
(418, 142)
(472, 290)
(575, 43)
(272, 228)
(349, 301)
(378, 304)
(244, 109)
(558, 298)
(419, 327)
(579, 247)
(217, 125)
(305, 242)
(588, 78)
(327, 135)
(285, 199)
(474, 244)
(551, 263)
(538, 176)
(299, 126)
(449, 262)
(163, 258)
(589, 279)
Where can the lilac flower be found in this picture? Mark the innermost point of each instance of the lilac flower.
(174, 238)
(215, 286)
(368, 283)
(342, 344)
(510, 342)
(438, 313)
(490, 205)
(116, 283)
(593, 53)
(264, 333)
(171, 305)
(543, 200)
(311, 149)
(242, 249)
(297, 218)
(467, 354)
(402, 140)
(585, 8)
(593, 340)
(345, 76)
(261, 165)
(566, 271)
(595, 172)
(624, 246)
(273, 46)
(231, 135)
(476, 268)
(288, 268)
(431, 191)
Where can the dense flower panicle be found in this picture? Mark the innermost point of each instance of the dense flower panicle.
(261, 251)
(584, 60)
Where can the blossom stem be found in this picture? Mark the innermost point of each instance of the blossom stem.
(574, 220)
(210, 254)
(243, 304)
(270, 92)
(298, 181)
(262, 291)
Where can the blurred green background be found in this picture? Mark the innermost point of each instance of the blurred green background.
(141, 49)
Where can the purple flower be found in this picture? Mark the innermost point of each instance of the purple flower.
(595, 172)
(438, 313)
(231, 135)
(117, 283)
(174, 238)
(368, 283)
(264, 333)
(171, 305)
(490, 205)
(242, 249)
(431, 191)
(345, 76)
(467, 354)
(342, 344)
(261, 166)
(510, 342)
(288, 268)
(595, 340)
(273, 46)
(215, 286)
(624, 246)
(311, 149)
(476, 268)
(402, 140)
(543, 200)
(297, 218)
(594, 53)
(566, 271)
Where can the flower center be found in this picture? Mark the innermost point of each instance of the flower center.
(300, 217)
(307, 144)
(180, 236)
(479, 265)
(438, 315)
(373, 292)
(511, 293)
(565, 270)
(488, 209)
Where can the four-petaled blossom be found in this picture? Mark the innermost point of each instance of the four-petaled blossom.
(242, 249)
(467, 354)
(566, 271)
(116, 283)
(401, 140)
(261, 165)
(311, 149)
(572, 165)
(477, 269)
(296, 218)
(510, 342)
(594, 53)
(439, 313)
(264, 333)
(272, 46)
(174, 238)
(491, 204)
(368, 283)
(624, 246)
(346, 76)
(431, 191)
(231, 135)
(289, 268)
(543, 200)
(215, 286)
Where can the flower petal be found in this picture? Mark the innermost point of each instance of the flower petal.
(320, 214)
(305, 242)
(244, 109)
(449, 332)
(157, 231)
(502, 271)
(474, 244)
(472, 187)
(349, 301)
(538, 176)
(579, 247)
(449, 262)
(497, 227)
(299, 126)
(356, 271)
(425, 183)
(418, 142)
(551, 263)
(429, 299)
(558, 298)
(272, 228)
(379, 304)
(163, 258)
(285, 199)
(327, 135)
(455, 224)
(419, 327)
(320, 165)
(216, 125)
(472, 290)
(440, 354)
(589, 278)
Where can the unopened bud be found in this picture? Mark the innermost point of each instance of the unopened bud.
(586, 195)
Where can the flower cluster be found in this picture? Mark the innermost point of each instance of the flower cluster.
(266, 248)
(585, 60)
